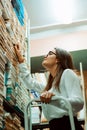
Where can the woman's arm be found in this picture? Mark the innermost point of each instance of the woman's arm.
(24, 72)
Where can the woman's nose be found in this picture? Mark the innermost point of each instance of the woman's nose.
(46, 56)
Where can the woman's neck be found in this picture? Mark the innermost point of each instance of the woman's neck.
(54, 71)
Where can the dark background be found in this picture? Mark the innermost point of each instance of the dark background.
(78, 56)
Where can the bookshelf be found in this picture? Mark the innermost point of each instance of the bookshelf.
(13, 29)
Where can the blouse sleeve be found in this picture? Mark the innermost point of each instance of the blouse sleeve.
(73, 89)
(30, 82)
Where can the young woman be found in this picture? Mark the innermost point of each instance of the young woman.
(62, 82)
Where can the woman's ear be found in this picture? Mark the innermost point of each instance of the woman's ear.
(57, 61)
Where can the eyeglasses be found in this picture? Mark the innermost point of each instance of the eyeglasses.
(51, 53)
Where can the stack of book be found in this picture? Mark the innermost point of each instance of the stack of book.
(12, 122)
(22, 94)
(10, 77)
(2, 86)
(1, 111)
(5, 8)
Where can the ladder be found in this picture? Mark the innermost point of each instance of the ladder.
(27, 117)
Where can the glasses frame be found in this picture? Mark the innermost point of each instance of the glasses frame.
(51, 53)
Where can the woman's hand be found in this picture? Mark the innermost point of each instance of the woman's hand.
(21, 59)
(46, 96)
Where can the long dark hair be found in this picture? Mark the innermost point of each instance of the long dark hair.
(66, 62)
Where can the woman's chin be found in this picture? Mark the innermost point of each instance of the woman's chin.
(44, 65)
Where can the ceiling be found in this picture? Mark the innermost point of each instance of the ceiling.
(49, 12)
(49, 17)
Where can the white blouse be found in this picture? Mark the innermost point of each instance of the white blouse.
(70, 89)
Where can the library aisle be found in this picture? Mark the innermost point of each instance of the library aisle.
(14, 94)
